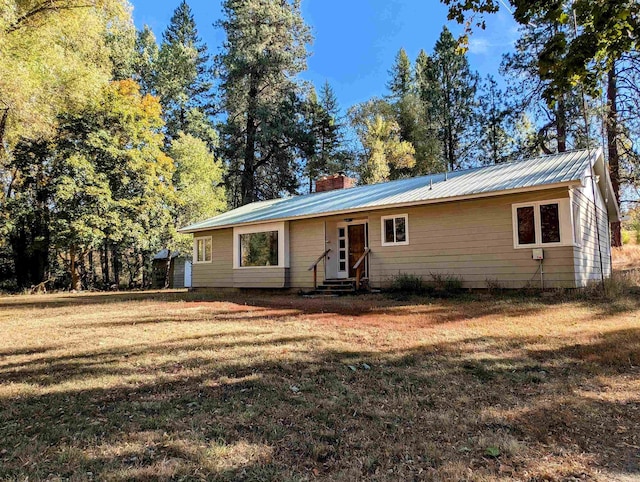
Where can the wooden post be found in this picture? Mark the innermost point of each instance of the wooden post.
(358, 273)
(315, 276)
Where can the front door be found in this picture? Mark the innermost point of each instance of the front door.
(356, 236)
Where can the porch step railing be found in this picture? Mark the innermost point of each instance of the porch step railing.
(359, 267)
(314, 267)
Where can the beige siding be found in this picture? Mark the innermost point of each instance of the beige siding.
(472, 240)
(307, 241)
(469, 239)
(260, 277)
(586, 254)
(218, 273)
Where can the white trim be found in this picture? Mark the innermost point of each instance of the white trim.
(195, 249)
(283, 243)
(342, 274)
(406, 230)
(564, 219)
(381, 207)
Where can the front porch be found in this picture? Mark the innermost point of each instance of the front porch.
(343, 267)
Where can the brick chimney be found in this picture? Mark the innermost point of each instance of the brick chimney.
(337, 181)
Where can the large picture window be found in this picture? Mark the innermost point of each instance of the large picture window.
(202, 250)
(261, 246)
(395, 230)
(259, 249)
(543, 223)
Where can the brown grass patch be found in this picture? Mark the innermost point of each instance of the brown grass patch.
(627, 257)
(164, 386)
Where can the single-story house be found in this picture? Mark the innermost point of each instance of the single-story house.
(542, 221)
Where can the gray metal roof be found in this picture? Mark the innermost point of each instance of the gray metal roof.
(540, 171)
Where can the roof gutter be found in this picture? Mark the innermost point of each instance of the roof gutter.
(325, 214)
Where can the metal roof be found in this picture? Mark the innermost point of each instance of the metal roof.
(541, 171)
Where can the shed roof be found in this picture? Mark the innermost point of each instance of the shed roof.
(536, 173)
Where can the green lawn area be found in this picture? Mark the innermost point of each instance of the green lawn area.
(184, 386)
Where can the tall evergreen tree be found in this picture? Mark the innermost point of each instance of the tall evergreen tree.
(183, 77)
(326, 126)
(429, 151)
(559, 117)
(493, 118)
(410, 115)
(401, 82)
(456, 100)
(263, 135)
(145, 60)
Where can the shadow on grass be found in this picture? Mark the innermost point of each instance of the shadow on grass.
(427, 412)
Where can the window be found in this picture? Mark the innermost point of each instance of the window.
(261, 246)
(202, 250)
(550, 223)
(259, 249)
(526, 225)
(544, 223)
(394, 230)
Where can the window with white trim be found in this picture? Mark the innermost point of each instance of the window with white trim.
(543, 223)
(395, 230)
(259, 249)
(261, 246)
(202, 250)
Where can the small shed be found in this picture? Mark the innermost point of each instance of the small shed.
(179, 270)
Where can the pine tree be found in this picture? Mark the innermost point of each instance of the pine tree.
(401, 83)
(263, 135)
(145, 60)
(183, 77)
(429, 150)
(557, 112)
(455, 102)
(493, 117)
(329, 153)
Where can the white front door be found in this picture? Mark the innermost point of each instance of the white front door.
(343, 251)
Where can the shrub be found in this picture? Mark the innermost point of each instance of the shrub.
(446, 283)
(407, 283)
(493, 285)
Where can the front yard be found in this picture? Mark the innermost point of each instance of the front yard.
(147, 386)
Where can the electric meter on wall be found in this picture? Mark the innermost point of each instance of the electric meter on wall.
(537, 253)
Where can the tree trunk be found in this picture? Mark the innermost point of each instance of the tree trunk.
(92, 270)
(75, 279)
(20, 259)
(612, 147)
(116, 266)
(105, 263)
(561, 124)
(247, 183)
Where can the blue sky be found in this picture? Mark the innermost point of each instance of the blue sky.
(355, 41)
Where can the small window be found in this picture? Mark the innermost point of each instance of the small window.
(259, 249)
(526, 225)
(394, 230)
(203, 250)
(550, 223)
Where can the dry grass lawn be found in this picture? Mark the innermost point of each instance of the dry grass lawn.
(153, 386)
(627, 257)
